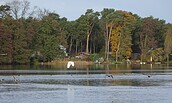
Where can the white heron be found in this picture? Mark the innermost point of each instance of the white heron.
(70, 63)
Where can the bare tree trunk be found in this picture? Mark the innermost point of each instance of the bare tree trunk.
(76, 48)
(119, 43)
(108, 36)
(105, 47)
(91, 45)
(71, 43)
(106, 41)
(116, 56)
(88, 36)
(117, 51)
(168, 58)
(81, 46)
(143, 46)
(94, 46)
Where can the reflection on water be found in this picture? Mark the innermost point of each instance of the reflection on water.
(70, 94)
(91, 75)
(89, 69)
(88, 84)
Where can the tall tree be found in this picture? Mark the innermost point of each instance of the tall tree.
(149, 36)
(6, 43)
(107, 22)
(82, 32)
(96, 39)
(72, 36)
(31, 28)
(121, 35)
(91, 19)
(115, 41)
(87, 23)
(22, 52)
(62, 35)
(168, 41)
(49, 37)
(135, 35)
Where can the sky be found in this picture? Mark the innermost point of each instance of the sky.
(73, 9)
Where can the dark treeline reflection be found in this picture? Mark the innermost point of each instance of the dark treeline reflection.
(85, 69)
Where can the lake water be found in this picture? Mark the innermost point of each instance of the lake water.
(86, 84)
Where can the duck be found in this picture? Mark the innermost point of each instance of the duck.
(109, 76)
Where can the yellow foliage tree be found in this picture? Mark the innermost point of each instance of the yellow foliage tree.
(115, 41)
(121, 35)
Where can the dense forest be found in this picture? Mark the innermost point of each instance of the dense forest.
(116, 35)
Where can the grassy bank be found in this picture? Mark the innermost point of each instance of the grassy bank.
(78, 64)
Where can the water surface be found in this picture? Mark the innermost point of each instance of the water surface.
(87, 84)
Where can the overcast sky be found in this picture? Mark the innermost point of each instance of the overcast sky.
(73, 9)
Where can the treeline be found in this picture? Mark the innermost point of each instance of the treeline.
(113, 34)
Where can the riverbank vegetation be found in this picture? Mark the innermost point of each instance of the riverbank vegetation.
(33, 35)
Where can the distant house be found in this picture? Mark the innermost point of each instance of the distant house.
(83, 56)
(64, 49)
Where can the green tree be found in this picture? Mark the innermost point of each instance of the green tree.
(6, 44)
(122, 32)
(150, 35)
(73, 36)
(49, 36)
(22, 51)
(81, 32)
(168, 41)
(107, 23)
(31, 27)
(86, 25)
(91, 19)
(96, 39)
(135, 35)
